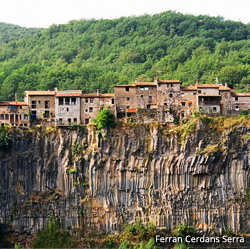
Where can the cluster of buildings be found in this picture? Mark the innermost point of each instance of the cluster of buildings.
(161, 100)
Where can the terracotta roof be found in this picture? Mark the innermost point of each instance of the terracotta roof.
(124, 86)
(107, 95)
(207, 86)
(224, 88)
(241, 94)
(69, 93)
(7, 103)
(169, 81)
(188, 88)
(40, 93)
(144, 84)
(131, 110)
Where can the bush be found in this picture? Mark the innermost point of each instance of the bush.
(5, 141)
(53, 237)
(244, 113)
(185, 230)
(105, 119)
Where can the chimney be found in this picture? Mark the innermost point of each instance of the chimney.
(55, 89)
(156, 80)
(217, 81)
(15, 97)
(136, 80)
(97, 92)
(226, 84)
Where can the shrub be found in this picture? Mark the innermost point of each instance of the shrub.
(244, 113)
(53, 237)
(5, 141)
(105, 119)
(185, 230)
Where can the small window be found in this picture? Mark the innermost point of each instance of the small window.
(60, 101)
(2, 116)
(171, 85)
(152, 116)
(86, 110)
(194, 93)
(86, 100)
(75, 120)
(33, 104)
(236, 99)
(69, 120)
(112, 101)
(46, 104)
(150, 99)
(6, 116)
(39, 102)
(60, 120)
(183, 103)
(91, 101)
(182, 94)
(214, 109)
(142, 88)
(128, 99)
(46, 114)
(148, 106)
(20, 107)
(67, 101)
(199, 91)
(237, 108)
(225, 95)
(141, 96)
(25, 116)
(91, 109)
(67, 109)
(86, 120)
(73, 101)
(170, 95)
(128, 107)
(183, 114)
(145, 88)
(189, 104)
(127, 89)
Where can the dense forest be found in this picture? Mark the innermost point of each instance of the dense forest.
(98, 54)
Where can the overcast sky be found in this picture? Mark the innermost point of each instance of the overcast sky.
(43, 13)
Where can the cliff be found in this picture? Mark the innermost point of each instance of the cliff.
(197, 174)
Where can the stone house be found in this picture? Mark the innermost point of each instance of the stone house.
(93, 102)
(41, 104)
(68, 107)
(14, 113)
(240, 102)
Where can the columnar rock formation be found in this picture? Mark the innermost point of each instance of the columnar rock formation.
(102, 181)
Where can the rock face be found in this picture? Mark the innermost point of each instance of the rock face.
(145, 173)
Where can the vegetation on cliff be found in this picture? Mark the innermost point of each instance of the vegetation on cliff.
(91, 54)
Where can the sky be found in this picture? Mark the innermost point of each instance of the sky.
(43, 13)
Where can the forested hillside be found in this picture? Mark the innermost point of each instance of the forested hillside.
(91, 54)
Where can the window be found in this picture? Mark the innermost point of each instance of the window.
(46, 104)
(60, 101)
(39, 102)
(91, 109)
(75, 120)
(112, 101)
(33, 104)
(91, 101)
(170, 95)
(60, 120)
(33, 114)
(225, 95)
(183, 103)
(128, 99)
(199, 91)
(214, 109)
(171, 85)
(237, 108)
(141, 96)
(145, 88)
(67, 109)
(67, 101)
(194, 94)
(128, 107)
(183, 114)
(2, 117)
(86, 120)
(20, 107)
(148, 106)
(86, 110)
(73, 101)
(182, 94)
(142, 88)
(236, 99)
(25, 116)
(127, 89)
(150, 99)
(69, 120)
(6, 116)
(152, 116)
(86, 100)
(46, 114)
(190, 104)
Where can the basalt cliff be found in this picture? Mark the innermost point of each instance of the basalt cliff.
(197, 174)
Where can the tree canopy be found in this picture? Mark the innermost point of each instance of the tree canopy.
(97, 54)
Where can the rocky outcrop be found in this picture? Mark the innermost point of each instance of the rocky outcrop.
(100, 182)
